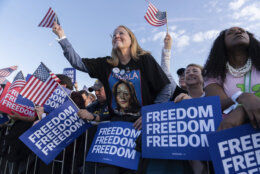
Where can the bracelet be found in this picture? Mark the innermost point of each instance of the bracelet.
(235, 96)
(94, 117)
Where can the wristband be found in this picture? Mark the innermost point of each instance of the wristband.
(235, 96)
(94, 117)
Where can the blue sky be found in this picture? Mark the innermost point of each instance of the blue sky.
(88, 25)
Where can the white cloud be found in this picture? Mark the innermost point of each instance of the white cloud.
(202, 36)
(172, 28)
(198, 37)
(236, 4)
(183, 41)
(178, 37)
(250, 12)
(159, 36)
(180, 32)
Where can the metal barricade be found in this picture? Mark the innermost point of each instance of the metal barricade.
(56, 165)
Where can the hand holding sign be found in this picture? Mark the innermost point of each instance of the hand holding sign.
(17, 116)
(235, 118)
(39, 110)
(85, 115)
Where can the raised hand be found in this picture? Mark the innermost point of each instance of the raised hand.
(57, 29)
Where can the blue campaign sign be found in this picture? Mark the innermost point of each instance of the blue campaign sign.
(235, 150)
(55, 132)
(114, 144)
(57, 98)
(178, 130)
(3, 118)
(70, 72)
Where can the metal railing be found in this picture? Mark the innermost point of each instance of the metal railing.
(31, 165)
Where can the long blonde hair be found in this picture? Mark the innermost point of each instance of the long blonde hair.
(135, 49)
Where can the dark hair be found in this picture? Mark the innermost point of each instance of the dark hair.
(65, 80)
(134, 103)
(78, 99)
(180, 71)
(83, 92)
(215, 65)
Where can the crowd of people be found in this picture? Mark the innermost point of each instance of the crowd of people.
(131, 78)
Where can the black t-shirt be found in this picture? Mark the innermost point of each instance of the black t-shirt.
(176, 92)
(128, 87)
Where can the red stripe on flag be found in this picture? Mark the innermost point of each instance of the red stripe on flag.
(47, 20)
(51, 21)
(47, 92)
(28, 86)
(45, 17)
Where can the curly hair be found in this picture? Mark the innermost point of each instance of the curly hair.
(215, 65)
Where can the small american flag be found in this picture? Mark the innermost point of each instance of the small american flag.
(7, 71)
(49, 19)
(40, 85)
(18, 81)
(154, 16)
(3, 80)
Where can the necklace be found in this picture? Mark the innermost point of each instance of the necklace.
(239, 72)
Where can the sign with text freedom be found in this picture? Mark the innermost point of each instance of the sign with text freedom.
(179, 130)
(57, 98)
(55, 132)
(235, 150)
(71, 73)
(114, 144)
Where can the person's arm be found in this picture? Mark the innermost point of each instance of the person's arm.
(68, 51)
(164, 95)
(16, 116)
(235, 118)
(86, 115)
(251, 104)
(215, 89)
(166, 61)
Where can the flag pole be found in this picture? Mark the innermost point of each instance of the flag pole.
(166, 21)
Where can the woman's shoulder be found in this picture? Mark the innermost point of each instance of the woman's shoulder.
(146, 58)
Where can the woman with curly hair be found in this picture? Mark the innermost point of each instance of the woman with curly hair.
(232, 71)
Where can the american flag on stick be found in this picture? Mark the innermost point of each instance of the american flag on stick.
(7, 71)
(3, 80)
(154, 17)
(49, 19)
(40, 85)
(18, 81)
